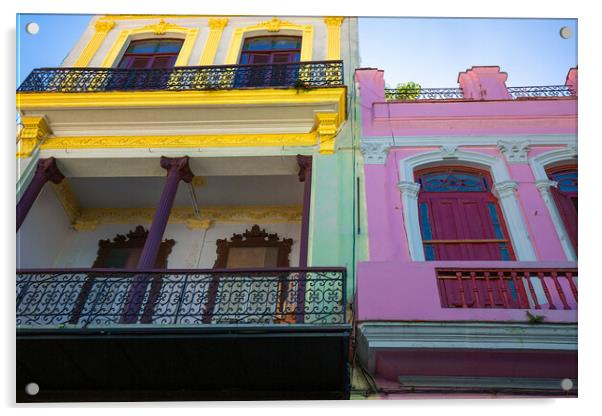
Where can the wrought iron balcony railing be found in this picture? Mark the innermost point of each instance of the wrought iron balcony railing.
(420, 94)
(102, 297)
(508, 288)
(300, 75)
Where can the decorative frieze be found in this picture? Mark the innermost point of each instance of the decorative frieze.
(90, 218)
(515, 151)
(162, 27)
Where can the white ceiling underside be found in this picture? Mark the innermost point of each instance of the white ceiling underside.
(145, 192)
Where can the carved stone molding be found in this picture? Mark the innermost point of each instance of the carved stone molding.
(515, 151)
(543, 186)
(35, 130)
(505, 189)
(333, 20)
(274, 25)
(162, 27)
(104, 26)
(327, 131)
(448, 151)
(256, 237)
(410, 189)
(216, 23)
(375, 153)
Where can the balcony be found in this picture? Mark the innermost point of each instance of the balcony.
(300, 75)
(97, 298)
(186, 106)
(508, 288)
(259, 334)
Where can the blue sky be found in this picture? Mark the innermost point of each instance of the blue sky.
(430, 51)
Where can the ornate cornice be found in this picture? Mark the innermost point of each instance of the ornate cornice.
(375, 153)
(515, 151)
(33, 133)
(90, 218)
(410, 189)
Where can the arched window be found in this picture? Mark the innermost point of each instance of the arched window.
(151, 54)
(460, 218)
(565, 197)
(263, 50)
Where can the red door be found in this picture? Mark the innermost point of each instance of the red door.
(565, 196)
(461, 220)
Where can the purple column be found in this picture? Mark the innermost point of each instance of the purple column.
(305, 165)
(46, 170)
(177, 169)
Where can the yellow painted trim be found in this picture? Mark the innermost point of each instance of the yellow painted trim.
(216, 28)
(102, 29)
(149, 16)
(159, 29)
(64, 193)
(274, 25)
(90, 218)
(34, 101)
(334, 37)
(135, 142)
(327, 128)
(35, 130)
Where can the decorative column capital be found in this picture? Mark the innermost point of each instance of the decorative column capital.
(375, 153)
(304, 163)
(544, 185)
(327, 130)
(409, 189)
(104, 26)
(177, 166)
(505, 189)
(216, 23)
(333, 20)
(33, 133)
(515, 151)
(48, 170)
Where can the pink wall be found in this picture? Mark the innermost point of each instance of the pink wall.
(407, 291)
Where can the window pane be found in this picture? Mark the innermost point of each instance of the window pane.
(259, 44)
(286, 43)
(567, 181)
(170, 46)
(142, 46)
(453, 182)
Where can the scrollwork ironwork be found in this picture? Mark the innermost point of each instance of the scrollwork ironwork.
(299, 75)
(50, 298)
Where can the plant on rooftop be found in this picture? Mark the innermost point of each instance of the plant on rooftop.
(404, 91)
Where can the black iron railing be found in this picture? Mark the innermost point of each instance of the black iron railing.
(410, 94)
(420, 94)
(541, 91)
(99, 298)
(301, 75)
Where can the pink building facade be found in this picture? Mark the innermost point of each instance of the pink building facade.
(471, 199)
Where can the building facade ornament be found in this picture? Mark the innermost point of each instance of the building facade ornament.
(216, 23)
(448, 151)
(410, 189)
(544, 185)
(515, 151)
(162, 27)
(333, 51)
(198, 224)
(375, 153)
(64, 193)
(505, 189)
(33, 133)
(327, 131)
(216, 26)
